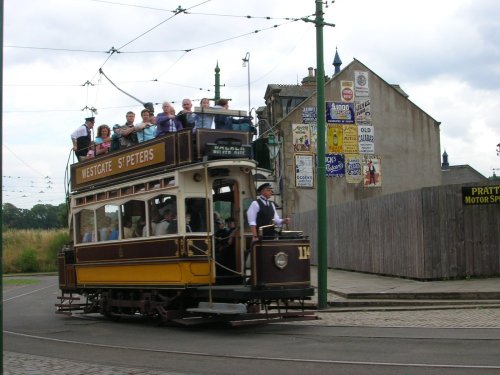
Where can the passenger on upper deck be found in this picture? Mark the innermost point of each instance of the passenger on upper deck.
(115, 138)
(81, 138)
(227, 122)
(202, 120)
(166, 121)
(145, 130)
(103, 140)
(127, 132)
(185, 116)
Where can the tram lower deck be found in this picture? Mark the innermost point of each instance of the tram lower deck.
(146, 242)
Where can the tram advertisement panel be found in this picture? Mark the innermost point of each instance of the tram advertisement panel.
(129, 160)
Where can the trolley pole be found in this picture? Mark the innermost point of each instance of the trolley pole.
(321, 171)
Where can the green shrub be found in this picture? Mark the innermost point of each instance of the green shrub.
(57, 243)
(27, 261)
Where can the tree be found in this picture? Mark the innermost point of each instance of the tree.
(40, 216)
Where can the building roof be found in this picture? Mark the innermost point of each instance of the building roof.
(289, 90)
(461, 174)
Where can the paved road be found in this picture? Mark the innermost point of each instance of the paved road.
(36, 341)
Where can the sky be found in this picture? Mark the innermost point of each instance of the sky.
(444, 54)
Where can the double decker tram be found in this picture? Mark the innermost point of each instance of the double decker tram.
(144, 244)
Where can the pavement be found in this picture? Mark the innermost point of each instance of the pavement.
(368, 300)
(354, 300)
(364, 286)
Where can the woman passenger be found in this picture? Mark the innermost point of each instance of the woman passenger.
(103, 140)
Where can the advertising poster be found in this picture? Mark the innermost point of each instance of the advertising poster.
(314, 136)
(309, 115)
(334, 139)
(335, 165)
(366, 139)
(353, 169)
(361, 84)
(350, 139)
(340, 113)
(372, 172)
(304, 170)
(347, 91)
(363, 110)
(301, 137)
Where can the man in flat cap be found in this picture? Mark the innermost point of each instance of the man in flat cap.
(82, 138)
(262, 212)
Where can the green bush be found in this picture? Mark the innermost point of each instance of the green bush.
(27, 261)
(57, 243)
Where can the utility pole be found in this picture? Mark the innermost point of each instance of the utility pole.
(321, 171)
(217, 83)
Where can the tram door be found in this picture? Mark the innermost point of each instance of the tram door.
(226, 208)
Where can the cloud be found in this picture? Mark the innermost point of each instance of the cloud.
(444, 54)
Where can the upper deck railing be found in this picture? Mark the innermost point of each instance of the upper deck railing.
(160, 154)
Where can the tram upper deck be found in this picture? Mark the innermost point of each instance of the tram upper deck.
(171, 151)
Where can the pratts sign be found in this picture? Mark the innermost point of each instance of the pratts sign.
(481, 194)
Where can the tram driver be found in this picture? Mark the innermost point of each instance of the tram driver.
(262, 212)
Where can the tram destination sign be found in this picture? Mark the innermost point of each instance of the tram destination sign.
(473, 195)
(227, 150)
(111, 166)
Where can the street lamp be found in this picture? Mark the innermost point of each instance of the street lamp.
(273, 145)
(246, 62)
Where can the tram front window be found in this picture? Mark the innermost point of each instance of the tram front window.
(163, 215)
(85, 226)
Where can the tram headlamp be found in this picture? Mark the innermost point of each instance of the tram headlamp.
(281, 260)
(197, 177)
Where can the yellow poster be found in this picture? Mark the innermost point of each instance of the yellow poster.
(350, 139)
(334, 139)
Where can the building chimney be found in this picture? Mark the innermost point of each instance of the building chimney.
(445, 165)
(310, 80)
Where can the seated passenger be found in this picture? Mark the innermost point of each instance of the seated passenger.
(114, 231)
(91, 151)
(88, 235)
(127, 229)
(188, 223)
(162, 227)
(172, 226)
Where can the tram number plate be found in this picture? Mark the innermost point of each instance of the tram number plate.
(227, 151)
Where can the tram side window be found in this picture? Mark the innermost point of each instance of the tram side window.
(107, 223)
(163, 215)
(133, 215)
(85, 226)
(196, 214)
